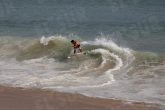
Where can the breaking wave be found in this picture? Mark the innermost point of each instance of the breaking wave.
(106, 70)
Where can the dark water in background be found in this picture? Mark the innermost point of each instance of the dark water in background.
(138, 24)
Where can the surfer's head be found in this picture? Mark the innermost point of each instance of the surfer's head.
(72, 41)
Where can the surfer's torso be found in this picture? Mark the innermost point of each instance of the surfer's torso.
(76, 44)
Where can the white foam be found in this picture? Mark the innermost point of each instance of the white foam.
(104, 53)
(105, 56)
(45, 40)
(77, 76)
(118, 65)
(37, 67)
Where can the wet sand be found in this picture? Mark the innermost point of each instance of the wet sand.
(36, 99)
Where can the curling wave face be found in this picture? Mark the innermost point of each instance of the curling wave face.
(107, 70)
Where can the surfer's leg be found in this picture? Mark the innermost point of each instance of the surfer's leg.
(80, 49)
(74, 50)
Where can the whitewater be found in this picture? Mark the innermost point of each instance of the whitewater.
(107, 71)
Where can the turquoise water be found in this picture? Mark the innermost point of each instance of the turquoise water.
(124, 40)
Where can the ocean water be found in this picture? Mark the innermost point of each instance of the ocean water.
(124, 41)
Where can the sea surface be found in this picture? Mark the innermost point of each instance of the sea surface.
(124, 41)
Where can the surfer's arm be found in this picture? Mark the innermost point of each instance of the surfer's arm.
(74, 46)
(78, 42)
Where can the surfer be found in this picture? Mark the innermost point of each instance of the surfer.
(76, 45)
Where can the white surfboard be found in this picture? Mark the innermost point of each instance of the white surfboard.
(79, 54)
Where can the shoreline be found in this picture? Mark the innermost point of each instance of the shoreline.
(16, 98)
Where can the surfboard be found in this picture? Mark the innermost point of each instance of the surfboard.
(79, 54)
